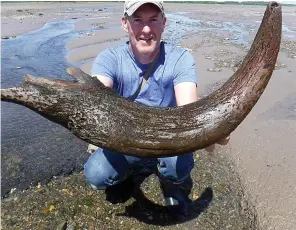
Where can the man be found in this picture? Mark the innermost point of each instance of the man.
(171, 82)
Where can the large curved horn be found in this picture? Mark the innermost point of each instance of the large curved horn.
(95, 114)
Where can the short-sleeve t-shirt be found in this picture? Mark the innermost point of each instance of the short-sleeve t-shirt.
(174, 65)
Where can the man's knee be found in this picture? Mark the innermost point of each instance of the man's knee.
(100, 174)
(99, 178)
(177, 168)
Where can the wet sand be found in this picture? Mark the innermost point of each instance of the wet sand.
(263, 147)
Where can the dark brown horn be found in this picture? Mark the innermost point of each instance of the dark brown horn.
(97, 115)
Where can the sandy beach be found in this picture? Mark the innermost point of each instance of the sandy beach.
(262, 150)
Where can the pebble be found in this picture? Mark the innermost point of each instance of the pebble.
(215, 70)
(62, 226)
(70, 227)
(188, 49)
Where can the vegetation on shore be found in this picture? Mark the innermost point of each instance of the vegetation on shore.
(260, 3)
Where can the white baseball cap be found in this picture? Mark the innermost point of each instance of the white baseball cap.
(131, 6)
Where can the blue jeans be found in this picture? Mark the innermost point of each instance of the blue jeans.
(105, 168)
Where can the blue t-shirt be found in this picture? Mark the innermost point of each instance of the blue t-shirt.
(175, 65)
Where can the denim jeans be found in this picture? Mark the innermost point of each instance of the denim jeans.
(105, 168)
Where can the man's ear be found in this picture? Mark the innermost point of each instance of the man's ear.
(164, 23)
(124, 23)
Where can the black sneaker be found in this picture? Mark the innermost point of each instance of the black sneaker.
(121, 192)
(176, 196)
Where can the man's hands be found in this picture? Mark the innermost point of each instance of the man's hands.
(186, 92)
(223, 141)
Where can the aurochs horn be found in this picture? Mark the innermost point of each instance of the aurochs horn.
(97, 115)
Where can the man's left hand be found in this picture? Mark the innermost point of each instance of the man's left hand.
(223, 141)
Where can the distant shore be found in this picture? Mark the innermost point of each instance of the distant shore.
(252, 3)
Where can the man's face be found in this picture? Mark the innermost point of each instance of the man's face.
(145, 28)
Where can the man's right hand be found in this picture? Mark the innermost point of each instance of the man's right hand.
(223, 141)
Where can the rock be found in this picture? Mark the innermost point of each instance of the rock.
(91, 148)
(214, 70)
(70, 227)
(188, 49)
(62, 226)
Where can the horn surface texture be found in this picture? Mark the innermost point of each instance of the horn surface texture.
(97, 115)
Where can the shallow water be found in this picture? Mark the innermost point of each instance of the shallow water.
(43, 148)
(179, 25)
(40, 53)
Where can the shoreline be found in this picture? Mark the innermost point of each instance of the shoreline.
(270, 126)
